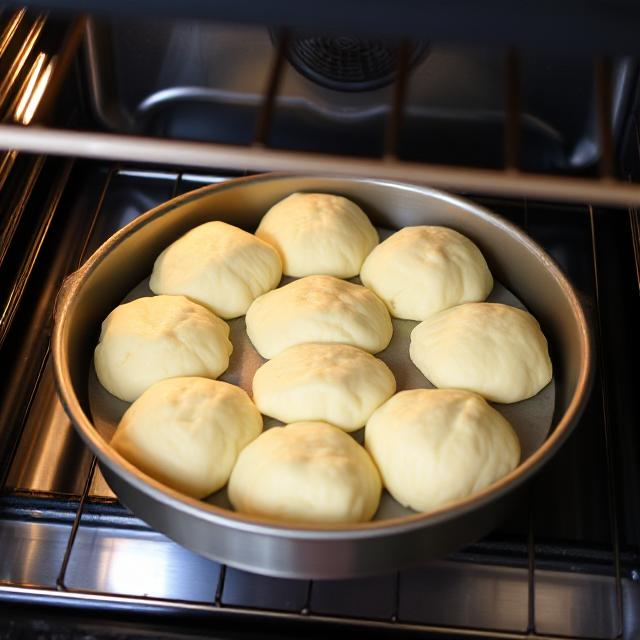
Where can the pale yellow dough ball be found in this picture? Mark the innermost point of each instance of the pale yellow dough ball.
(187, 432)
(319, 233)
(421, 270)
(318, 309)
(434, 446)
(335, 383)
(308, 472)
(493, 349)
(159, 337)
(219, 266)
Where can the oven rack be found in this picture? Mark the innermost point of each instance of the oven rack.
(536, 560)
(42, 241)
(605, 188)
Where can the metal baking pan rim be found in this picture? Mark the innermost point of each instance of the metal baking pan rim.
(265, 526)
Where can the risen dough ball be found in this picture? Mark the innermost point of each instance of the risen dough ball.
(318, 309)
(435, 446)
(493, 349)
(219, 266)
(335, 383)
(160, 337)
(306, 472)
(316, 233)
(187, 432)
(421, 270)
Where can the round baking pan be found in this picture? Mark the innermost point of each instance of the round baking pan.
(300, 551)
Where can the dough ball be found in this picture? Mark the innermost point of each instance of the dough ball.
(493, 349)
(306, 472)
(335, 383)
(434, 446)
(317, 233)
(160, 337)
(421, 270)
(187, 432)
(219, 266)
(318, 309)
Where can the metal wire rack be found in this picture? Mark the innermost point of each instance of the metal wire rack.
(605, 188)
(39, 189)
(525, 553)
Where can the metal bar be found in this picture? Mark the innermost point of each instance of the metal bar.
(176, 185)
(266, 112)
(74, 528)
(609, 454)
(531, 548)
(306, 607)
(10, 30)
(531, 567)
(25, 92)
(512, 112)
(60, 64)
(7, 160)
(603, 97)
(634, 221)
(397, 105)
(634, 217)
(13, 219)
(21, 59)
(396, 599)
(10, 305)
(85, 600)
(66, 142)
(18, 396)
(220, 586)
(96, 215)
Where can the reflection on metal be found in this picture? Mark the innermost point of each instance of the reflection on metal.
(42, 460)
(65, 142)
(142, 570)
(7, 160)
(33, 89)
(26, 90)
(9, 306)
(10, 30)
(634, 220)
(575, 604)
(142, 563)
(21, 58)
(432, 595)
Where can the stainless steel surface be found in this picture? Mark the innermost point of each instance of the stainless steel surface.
(42, 462)
(110, 566)
(271, 548)
(139, 563)
(66, 142)
(440, 601)
(576, 604)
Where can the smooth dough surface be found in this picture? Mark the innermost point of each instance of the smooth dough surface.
(219, 266)
(493, 349)
(318, 233)
(159, 337)
(318, 309)
(306, 472)
(188, 432)
(334, 383)
(433, 446)
(421, 270)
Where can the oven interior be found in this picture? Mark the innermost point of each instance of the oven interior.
(74, 560)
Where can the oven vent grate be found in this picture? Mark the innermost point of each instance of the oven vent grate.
(347, 63)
